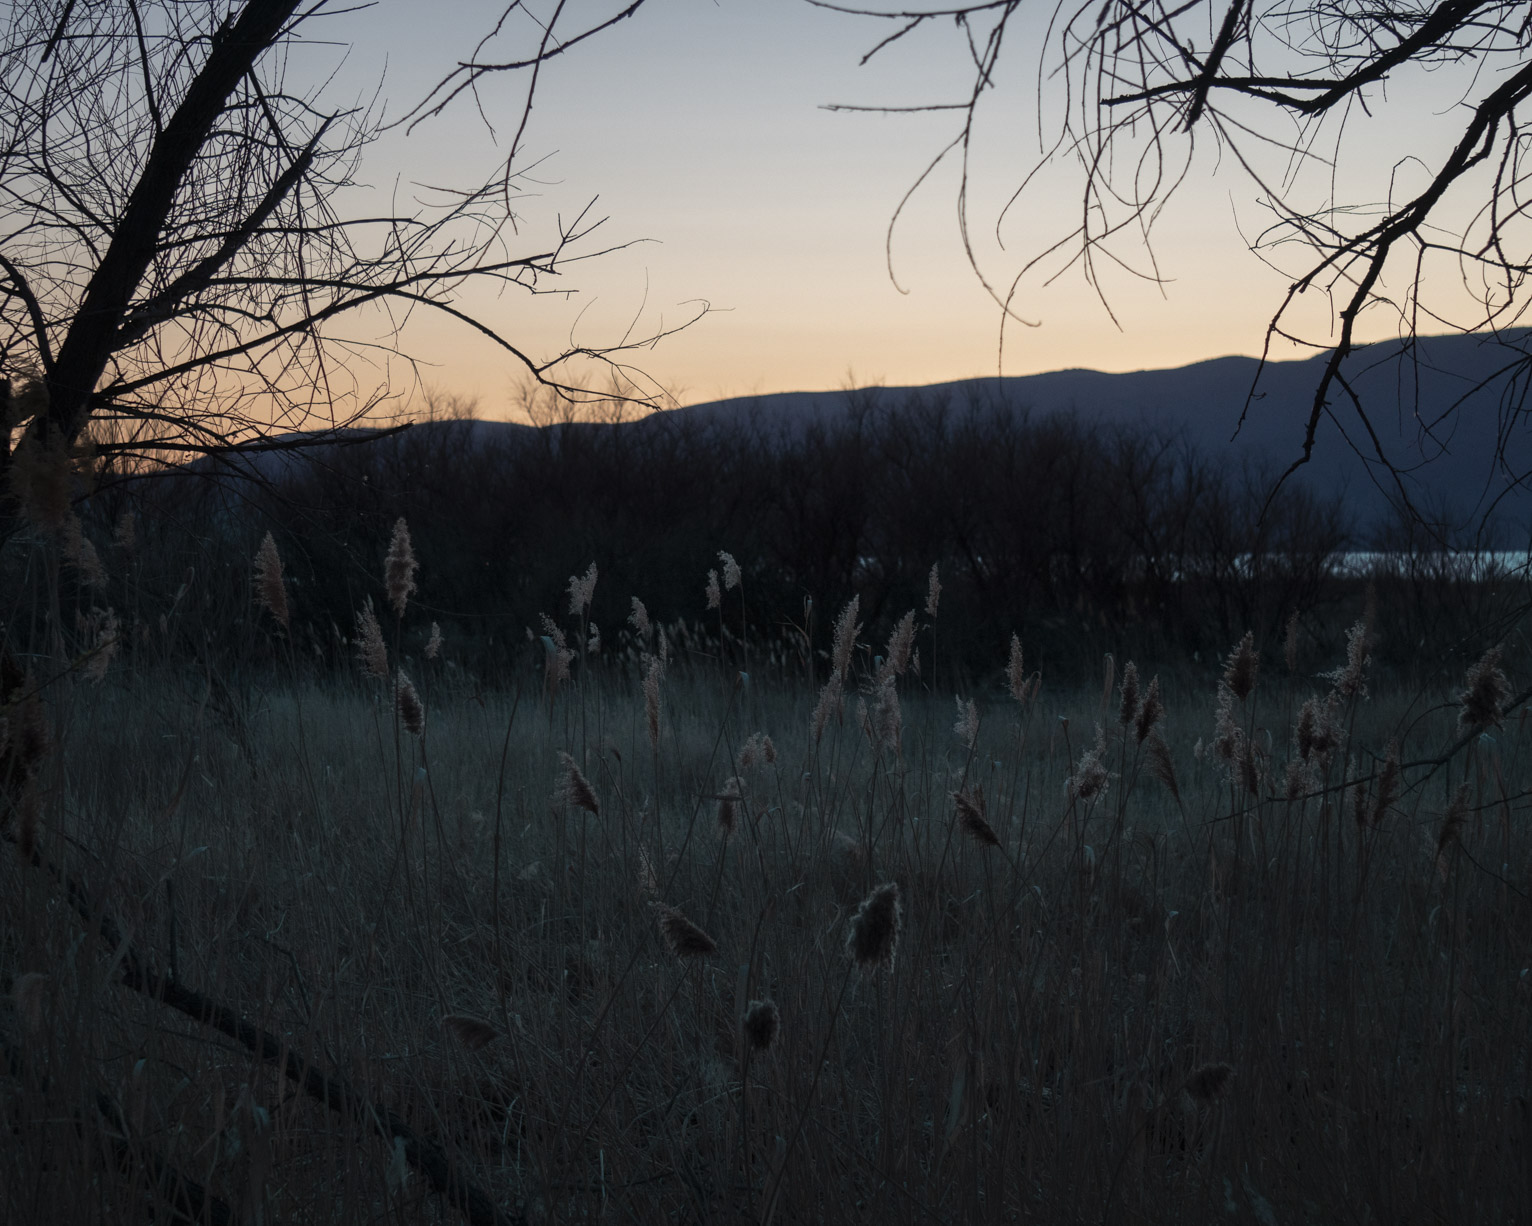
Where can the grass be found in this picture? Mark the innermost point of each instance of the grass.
(1274, 994)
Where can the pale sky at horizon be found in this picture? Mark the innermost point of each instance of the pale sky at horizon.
(699, 127)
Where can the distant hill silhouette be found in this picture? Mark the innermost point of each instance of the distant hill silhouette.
(1437, 407)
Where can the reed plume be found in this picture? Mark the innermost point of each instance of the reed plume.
(714, 592)
(1150, 711)
(731, 572)
(846, 629)
(369, 642)
(829, 705)
(900, 643)
(967, 724)
(874, 936)
(683, 937)
(933, 591)
(399, 567)
(887, 716)
(1452, 826)
(434, 643)
(969, 804)
(639, 619)
(412, 712)
(1482, 704)
(269, 590)
(1127, 711)
(582, 590)
(574, 788)
(1241, 668)
(1016, 672)
(654, 673)
(1160, 764)
(1090, 777)
(1350, 681)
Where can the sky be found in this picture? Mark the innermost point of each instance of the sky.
(700, 130)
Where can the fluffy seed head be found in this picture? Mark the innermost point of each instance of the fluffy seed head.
(574, 788)
(1127, 712)
(887, 717)
(714, 592)
(967, 724)
(1351, 681)
(1016, 671)
(1452, 825)
(846, 629)
(1161, 765)
(874, 937)
(412, 712)
(369, 642)
(1482, 704)
(1228, 736)
(1090, 777)
(731, 573)
(654, 673)
(434, 643)
(761, 1023)
(933, 591)
(1240, 670)
(683, 937)
(582, 590)
(969, 803)
(900, 643)
(399, 567)
(474, 1033)
(269, 590)
(829, 705)
(1150, 711)
(639, 619)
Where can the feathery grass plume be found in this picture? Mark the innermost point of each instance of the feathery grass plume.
(728, 805)
(714, 592)
(829, 705)
(574, 788)
(434, 643)
(1090, 777)
(969, 803)
(1317, 734)
(1290, 643)
(640, 619)
(1351, 680)
(1482, 705)
(29, 993)
(1240, 670)
(582, 590)
(269, 590)
(874, 936)
(1199, 750)
(933, 591)
(731, 573)
(1016, 671)
(769, 751)
(1452, 826)
(887, 716)
(474, 1033)
(369, 642)
(125, 535)
(1228, 736)
(749, 754)
(399, 567)
(846, 629)
(593, 640)
(654, 673)
(1160, 764)
(1127, 713)
(1208, 1082)
(412, 712)
(556, 654)
(82, 555)
(761, 1023)
(967, 724)
(1388, 784)
(683, 937)
(900, 643)
(102, 633)
(1150, 711)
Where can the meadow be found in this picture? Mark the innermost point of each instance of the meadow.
(681, 926)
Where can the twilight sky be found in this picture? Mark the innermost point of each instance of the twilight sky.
(699, 126)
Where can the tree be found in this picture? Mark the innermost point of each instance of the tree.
(176, 260)
(1140, 84)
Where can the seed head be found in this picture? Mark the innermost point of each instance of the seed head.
(1160, 764)
(1128, 710)
(829, 705)
(412, 712)
(1240, 670)
(574, 788)
(1150, 711)
(683, 937)
(369, 642)
(933, 591)
(900, 643)
(846, 630)
(969, 803)
(269, 590)
(761, 1023)
(874, 936)
(1351, 681)
(1482, 704)
(434, 643)
(399, 567)
(1016, 672)
(967, 725)
(1452, 826)
(731, 574)
(654, 673)
(714, 592)
(582, 590)
(640, 619)
(1090, 777)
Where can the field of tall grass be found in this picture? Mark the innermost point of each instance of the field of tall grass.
(668, 927)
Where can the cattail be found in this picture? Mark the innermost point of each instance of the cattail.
(1290, 646)
(474, 1033)
(269, 591)
(1388, 784)
(967, 725)
(1482, 704)
(683, 937)
(1090, 777)
(434, 643)
(829, 704)
(933, 591)
(969, 803)
(714, 592)
(582, 591)
(654, 672)
(412, 712)
(1351, 681)
(1150, 711)
(1128, 711)
(1452, 826)
(1016, 672)
(761, 1022)
(731, 574)
(1208, 1082)
(29, 993)
(846, 630)
(728, 805)
(399, 567)
(874, 936)
(1160, 764)
(574, 788)
(900, 643)
(640, 619)
(1240, 671)
(369, 637)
